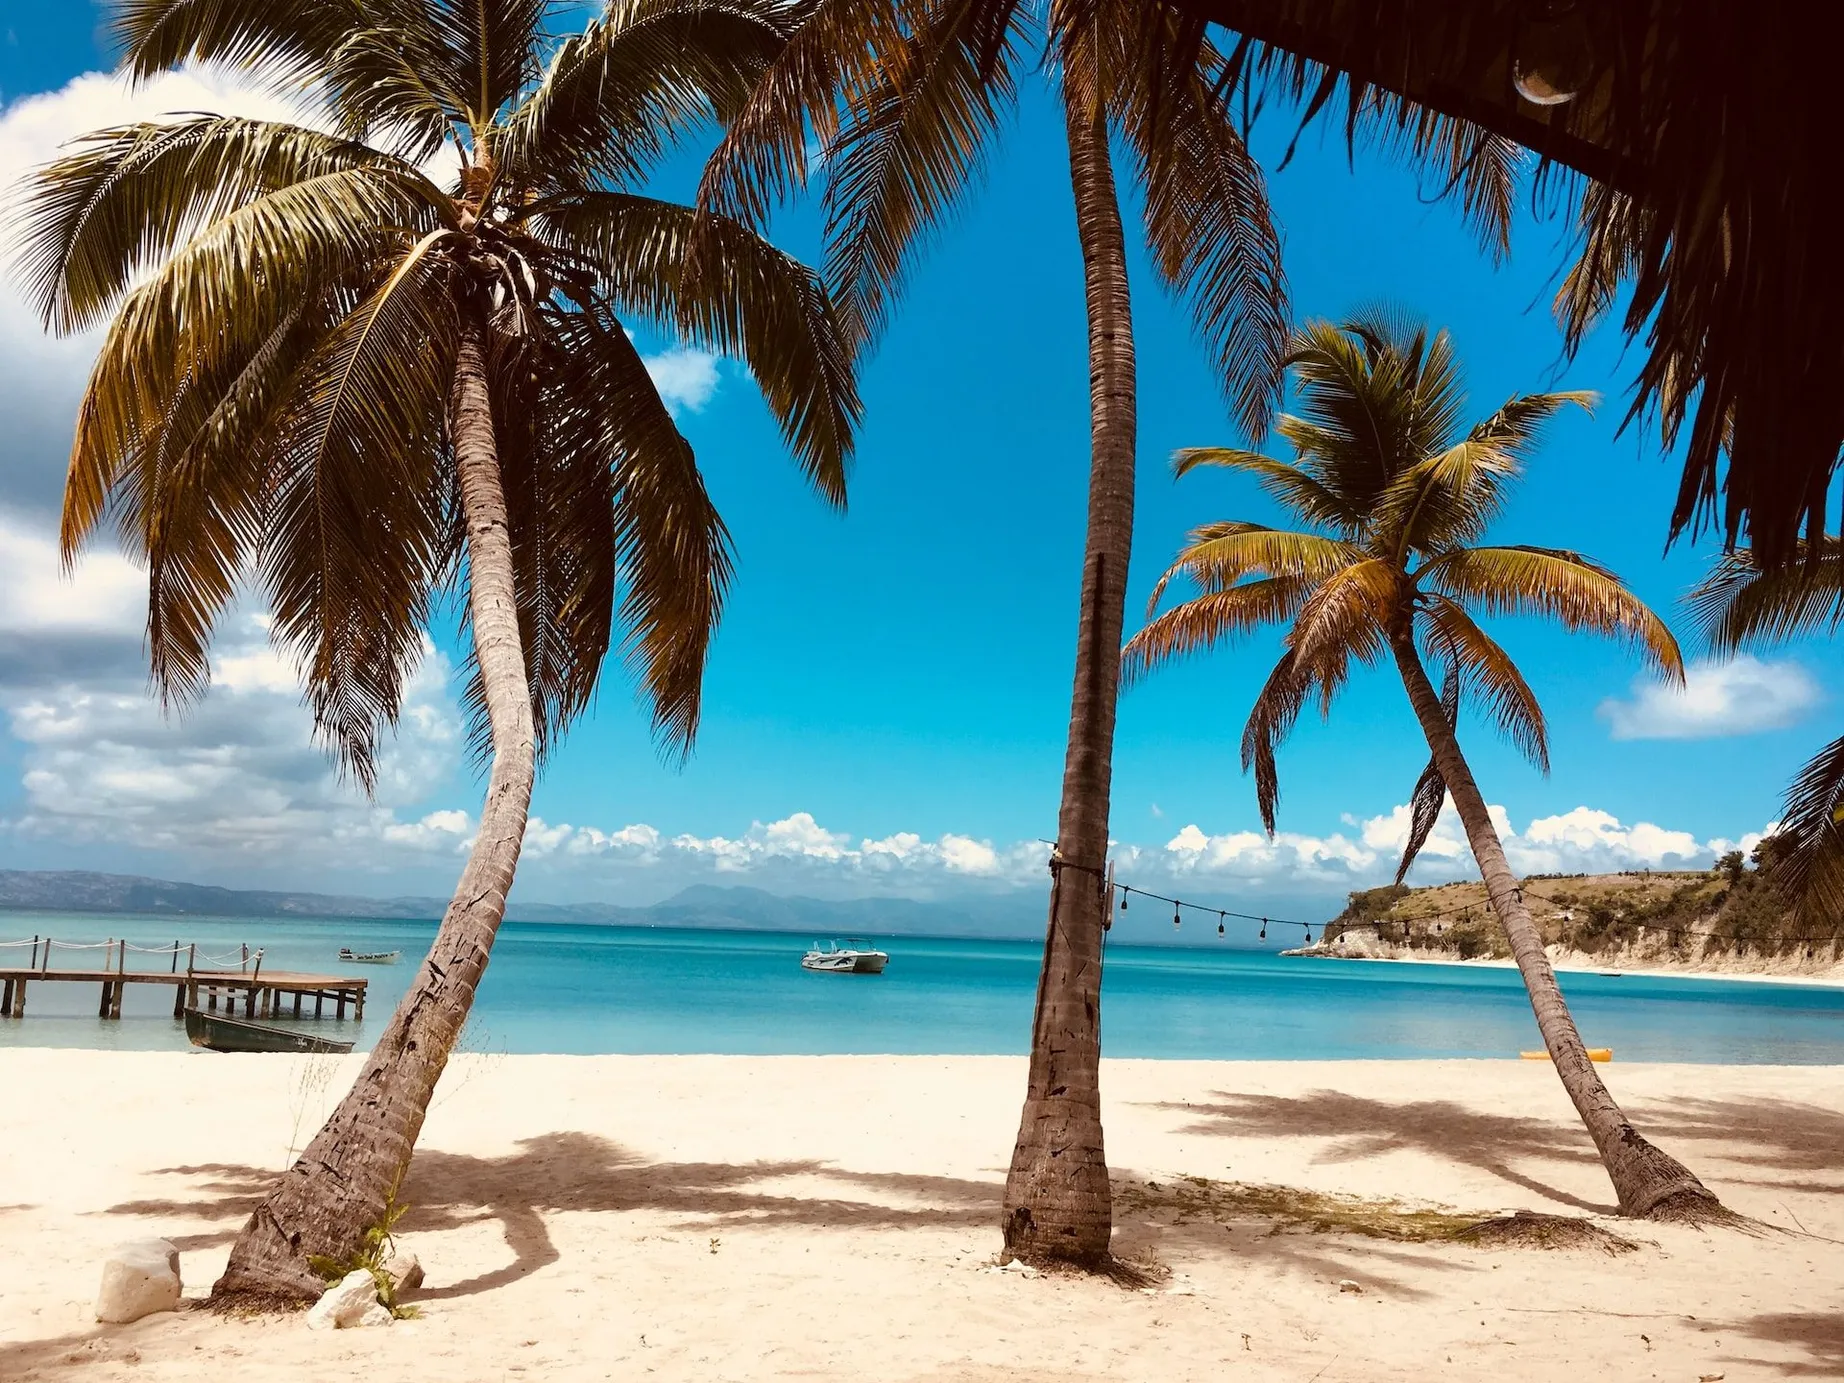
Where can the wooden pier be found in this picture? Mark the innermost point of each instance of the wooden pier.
(262, 993)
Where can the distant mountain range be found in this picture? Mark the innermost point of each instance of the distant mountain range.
(701, 905)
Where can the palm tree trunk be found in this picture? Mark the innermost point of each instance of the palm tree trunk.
(1649, 1183)
(1057, 1203)
(343, 1182)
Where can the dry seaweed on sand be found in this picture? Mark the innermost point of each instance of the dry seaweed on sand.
(1289, 1208)
(1529, 1229)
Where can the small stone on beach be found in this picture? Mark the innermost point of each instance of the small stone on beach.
(138, 1279)
(346, 1303)
(1345, 1284)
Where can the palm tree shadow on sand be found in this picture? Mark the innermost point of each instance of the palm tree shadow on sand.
(569, 1171)
(1777, 1134)
(1366, 1128)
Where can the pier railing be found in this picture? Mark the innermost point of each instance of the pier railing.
(208, 978)
(116, 950)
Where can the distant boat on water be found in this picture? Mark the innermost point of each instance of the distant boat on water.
(855, 957)
(220, 1034)
(352, 957)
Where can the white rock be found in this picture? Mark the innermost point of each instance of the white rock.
(138, 1279)
(1345, 1284)
(377, 1314)
(1018, 1266)
(344, 1304)
(403, 1269)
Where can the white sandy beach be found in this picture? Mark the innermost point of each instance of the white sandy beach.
(832, 1218)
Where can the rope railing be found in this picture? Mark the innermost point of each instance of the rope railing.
(116, 952)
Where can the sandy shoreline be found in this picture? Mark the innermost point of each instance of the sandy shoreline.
(833, 1218)
(1831, 979)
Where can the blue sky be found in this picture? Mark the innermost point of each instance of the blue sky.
(902, 671)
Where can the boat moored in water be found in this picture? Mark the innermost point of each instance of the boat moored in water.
(855, 957)
(217, 1033)
(352, 957)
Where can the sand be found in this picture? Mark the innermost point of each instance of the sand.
(717, 1218)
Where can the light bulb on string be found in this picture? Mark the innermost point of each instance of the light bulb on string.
(1309, 936)
(1123, 898)
(1264, 929)
(1219, 924)
(1552, 55)
(1174, 917)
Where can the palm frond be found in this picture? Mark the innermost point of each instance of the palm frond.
(1208, 222)
(1271, 719)
(1210, 619)
(839, 48)
(1284, 482)
(671, 548)
(907, 149)
(1557, 584)
(1429, 794)
(1741, 604)
(210, 306)
(1452, 497)
(354, 528)
(95, 219)
(741, 297)
(1347, 615)
(495, 45)
(291, 42)
(1810, 866)
(1217, 555)
(1494, 678)
(619, 95)
(1614, 230)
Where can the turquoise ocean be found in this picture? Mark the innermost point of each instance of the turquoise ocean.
(588, 989)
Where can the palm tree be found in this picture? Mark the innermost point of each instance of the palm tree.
(906, 97)
(1396, 498)
(1741, 605)
(359, 388)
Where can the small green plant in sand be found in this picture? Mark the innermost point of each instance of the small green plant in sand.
(373, 1252)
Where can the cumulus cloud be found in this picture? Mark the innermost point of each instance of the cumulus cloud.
(685, 377)
(1739, 697)
(795, 847)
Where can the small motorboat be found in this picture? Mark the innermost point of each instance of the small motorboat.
(352, 957)
(217, 1033)
(855, 957)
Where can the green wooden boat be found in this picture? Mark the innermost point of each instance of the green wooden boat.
(222, 1034)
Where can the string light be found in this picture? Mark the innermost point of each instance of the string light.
(1431, 919)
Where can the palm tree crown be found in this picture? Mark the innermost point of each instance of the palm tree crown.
(287, 304)
(1397, 497)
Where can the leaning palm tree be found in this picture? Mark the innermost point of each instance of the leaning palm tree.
(358, 387)
(1396, 498)
(907, 98)
(1742, 605)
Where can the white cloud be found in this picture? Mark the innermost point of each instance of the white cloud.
(685, 377)
(1738, 697)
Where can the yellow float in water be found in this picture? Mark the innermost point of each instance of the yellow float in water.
(1594, 1054)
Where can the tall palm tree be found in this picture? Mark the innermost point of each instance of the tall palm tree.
(1741, 605)
(1396, 498)
(329, 374)
(906, 98)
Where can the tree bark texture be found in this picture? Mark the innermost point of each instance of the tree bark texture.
(352, 1169)
(1648, 1182)
(1057, 1202)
